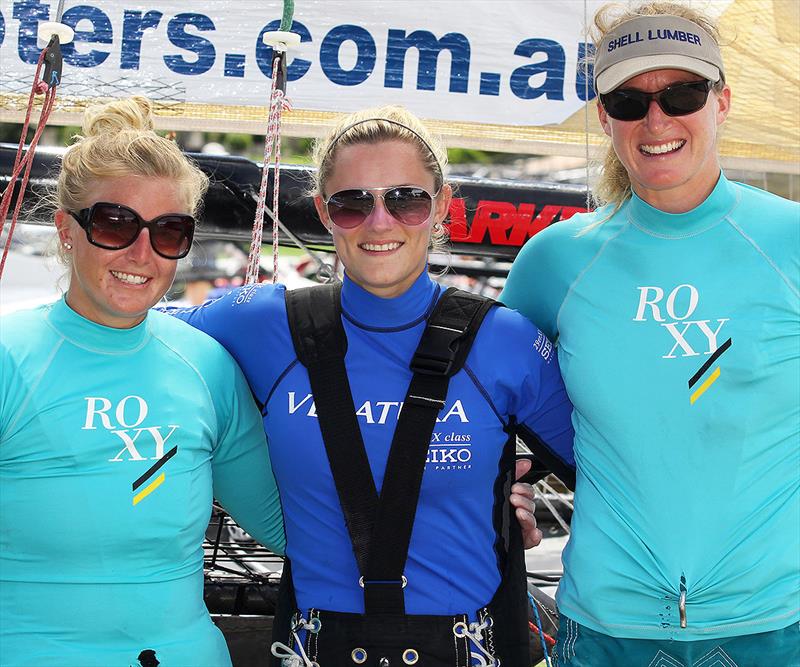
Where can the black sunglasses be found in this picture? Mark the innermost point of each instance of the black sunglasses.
(680, 99)
(408, 204)
(114, 226)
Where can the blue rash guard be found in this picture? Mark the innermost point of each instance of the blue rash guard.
(110, 440)
(679, 340)
(510, 374)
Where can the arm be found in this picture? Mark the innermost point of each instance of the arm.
(535, 286)
(243, 480)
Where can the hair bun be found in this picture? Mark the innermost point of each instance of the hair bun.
(133, 113)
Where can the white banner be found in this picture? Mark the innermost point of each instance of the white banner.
(510, 62)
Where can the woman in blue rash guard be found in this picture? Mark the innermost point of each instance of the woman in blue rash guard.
(380, 190)
(676, 310)
(116, 422)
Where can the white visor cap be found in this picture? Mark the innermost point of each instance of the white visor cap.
(648, 43)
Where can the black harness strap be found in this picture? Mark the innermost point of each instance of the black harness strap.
(380, 528)
(320, 342)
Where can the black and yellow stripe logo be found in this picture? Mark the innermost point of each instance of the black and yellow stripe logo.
(158, 481)
(711, 379)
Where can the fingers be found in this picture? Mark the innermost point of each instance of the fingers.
(522, 500)
(531, 535)
(523, 466)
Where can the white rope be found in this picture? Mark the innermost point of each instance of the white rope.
(272, 143)
(289, 657)
(474, 632)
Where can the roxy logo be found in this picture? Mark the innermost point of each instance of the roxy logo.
(124, 420)
(688, 337)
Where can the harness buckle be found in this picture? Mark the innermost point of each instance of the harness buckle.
(437, 350)
(383, 582)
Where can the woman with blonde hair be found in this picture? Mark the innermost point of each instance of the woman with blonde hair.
(675, 306)
(117, 423)
(391, 409)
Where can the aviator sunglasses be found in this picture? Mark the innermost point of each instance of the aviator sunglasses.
(680, 99)
(113, 227)
(408, 204)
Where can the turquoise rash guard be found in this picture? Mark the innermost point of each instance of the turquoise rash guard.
(110, 441)
(679, 342)
(511, 374)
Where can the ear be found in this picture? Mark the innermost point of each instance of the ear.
(62, 221)
(443, 203)
(322, 212)
(603, 116)
(723, 104)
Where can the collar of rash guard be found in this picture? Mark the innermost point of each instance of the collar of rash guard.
(96, 337)
(369, 311)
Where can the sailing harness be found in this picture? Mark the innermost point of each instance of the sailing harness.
(380, 525)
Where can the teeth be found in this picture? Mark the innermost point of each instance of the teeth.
(382, 247)
(129, 278)
(662, 148)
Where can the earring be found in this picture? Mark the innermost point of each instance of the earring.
(67, 245)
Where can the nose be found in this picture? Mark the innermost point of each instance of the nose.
(141, 250)
(379, 217)
(656, 118)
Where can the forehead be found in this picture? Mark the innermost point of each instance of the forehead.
(150, 196)
(660, 78)
(377, 164)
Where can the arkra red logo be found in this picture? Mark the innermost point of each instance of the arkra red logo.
(505, 223)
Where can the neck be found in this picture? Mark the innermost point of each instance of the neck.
(681, 199)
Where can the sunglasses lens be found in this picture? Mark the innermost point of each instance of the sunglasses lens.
(113, 227)
(349, 208)
(171, 235)
(684, 99)
(411, 206)
(678, 100)
(625, 104)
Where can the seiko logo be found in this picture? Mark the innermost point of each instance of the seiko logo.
(124, 422)
(376, 412)
(689, 338)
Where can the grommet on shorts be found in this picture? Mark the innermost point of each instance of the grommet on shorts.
(314, 625)
(359, 656)
(410, 656)
(460, 629)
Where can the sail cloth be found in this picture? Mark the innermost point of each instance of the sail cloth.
(497, 75)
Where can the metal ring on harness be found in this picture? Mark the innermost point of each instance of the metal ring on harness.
(403, 581)
(410, 656)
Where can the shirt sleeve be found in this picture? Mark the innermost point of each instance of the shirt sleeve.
(545, 416)
(533, 287)
(243, 479)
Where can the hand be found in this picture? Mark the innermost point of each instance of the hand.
(522, 499)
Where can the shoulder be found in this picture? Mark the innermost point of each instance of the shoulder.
(772, 204)
(24, 329)
(508, 335)
(770, 223)
(192, 346)
(765, 212)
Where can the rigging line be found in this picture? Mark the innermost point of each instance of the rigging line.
(288, 15)
(546, 501)
(585, 66)
(325, 270)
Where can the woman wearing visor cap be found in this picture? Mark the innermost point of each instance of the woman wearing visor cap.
(675, 306)
(117, 423)
(403, 545)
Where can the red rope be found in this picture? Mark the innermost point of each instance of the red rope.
(550, 640)
(25, 162)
